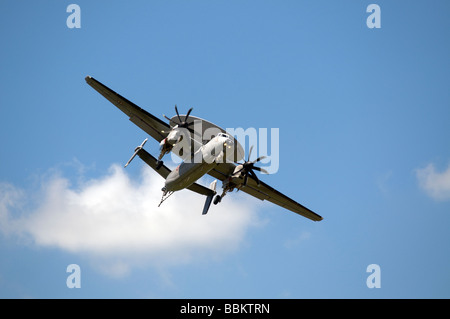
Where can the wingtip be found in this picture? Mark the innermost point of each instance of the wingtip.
(317, 218)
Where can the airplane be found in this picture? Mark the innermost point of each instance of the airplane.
(204, 148)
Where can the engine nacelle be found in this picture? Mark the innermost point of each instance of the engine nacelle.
(175, 136)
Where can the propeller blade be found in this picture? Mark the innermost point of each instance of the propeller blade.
(245, 179)
(252, 173)
(190, 130)
(187, 115)
(170, 120)
(240, 170)
(262, 170)
(178, 115)
(248, 168)
(250, 153)
(258, 159)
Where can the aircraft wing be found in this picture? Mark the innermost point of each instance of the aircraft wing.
(264, 192)
(146, 121)
(164, 171)
(150, 124)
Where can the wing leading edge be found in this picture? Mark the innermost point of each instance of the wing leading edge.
(159, 130)
(146, 121)
(164, 171)
(265, 192)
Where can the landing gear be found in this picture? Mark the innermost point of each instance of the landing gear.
(228, 186)
(166, 194)
(217, 199)
(165, 147)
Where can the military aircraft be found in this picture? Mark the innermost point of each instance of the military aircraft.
(204, 148)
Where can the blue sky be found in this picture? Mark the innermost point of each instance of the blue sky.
(363, 120)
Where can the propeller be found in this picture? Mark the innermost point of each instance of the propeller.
(248, 167)
(183, 124)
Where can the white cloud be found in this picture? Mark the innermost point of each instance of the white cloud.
(435, 184)
(115, 221)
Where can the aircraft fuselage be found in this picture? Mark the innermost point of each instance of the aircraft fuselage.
(200, 164)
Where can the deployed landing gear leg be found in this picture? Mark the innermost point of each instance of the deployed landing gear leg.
(165, 147)
(166, 194)
(226, 188)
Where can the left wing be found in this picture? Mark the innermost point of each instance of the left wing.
(159, 129)
(164, 171)
(264, 192)
(147, 122)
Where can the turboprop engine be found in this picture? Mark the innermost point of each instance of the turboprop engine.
(175, 135)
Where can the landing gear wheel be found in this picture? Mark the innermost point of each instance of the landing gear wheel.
(217, 199)
(159, 164)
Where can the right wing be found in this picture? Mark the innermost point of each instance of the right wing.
(146, 121)
(264, 192)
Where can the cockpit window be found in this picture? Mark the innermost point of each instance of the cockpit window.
(224, 135)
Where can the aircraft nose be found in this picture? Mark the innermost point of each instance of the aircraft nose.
(228, 143)
(170, 180)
